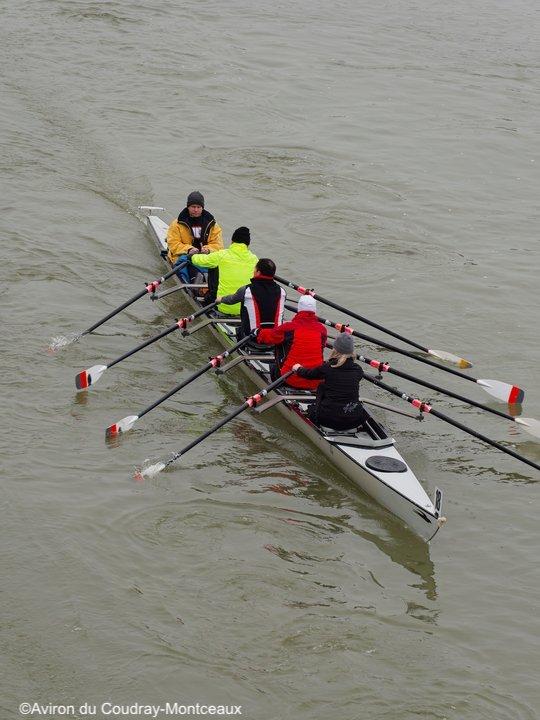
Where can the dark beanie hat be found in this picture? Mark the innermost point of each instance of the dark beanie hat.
(195, 198)
(241, 235)
(344, 344)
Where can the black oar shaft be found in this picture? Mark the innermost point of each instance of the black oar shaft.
(214, 362)
(151, 340)
(345, 310)
(180, 324)
(388, 346)
(115, 312)
(151, 287)
(212, 430)
(383, 367)
(250, 402)
(429, 409)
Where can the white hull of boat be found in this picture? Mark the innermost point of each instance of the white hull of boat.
(399, 492)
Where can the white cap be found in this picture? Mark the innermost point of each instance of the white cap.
(307, 302)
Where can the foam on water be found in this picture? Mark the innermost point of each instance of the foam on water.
(61, 341)
(148, 471)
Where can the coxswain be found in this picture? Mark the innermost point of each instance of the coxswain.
(194, 231)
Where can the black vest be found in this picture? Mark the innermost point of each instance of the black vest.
(263, 304)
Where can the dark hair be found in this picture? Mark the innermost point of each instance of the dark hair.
(266, 267)
(241, 235)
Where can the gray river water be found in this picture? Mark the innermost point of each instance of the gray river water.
(386, 154)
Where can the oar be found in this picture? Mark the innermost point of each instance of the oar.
(250, 402)
(149, 288)
(91, 375)
(426, 408)
(530, 425)
(127, 423)
(440, 354)
(504, 392)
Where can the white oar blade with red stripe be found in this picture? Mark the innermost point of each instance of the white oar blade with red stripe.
(89, 377)
(510, 394)
(530, 425)
(451, 358)
(122, 426)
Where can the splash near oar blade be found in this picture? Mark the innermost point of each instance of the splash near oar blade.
(250, 402)
(530, 425)
(149, 472)
(89, 377)
(122, 426)
(451, 358)
(511, 394)
(149, 288)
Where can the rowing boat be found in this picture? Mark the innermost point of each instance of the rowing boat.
(368, 457)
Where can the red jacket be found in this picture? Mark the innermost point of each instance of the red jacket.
(303, 339)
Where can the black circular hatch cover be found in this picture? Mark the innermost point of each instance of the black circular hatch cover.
(382, 463)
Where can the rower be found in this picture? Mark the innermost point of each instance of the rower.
(337, 404)
(235, 265)
(301, 340)
(261, 302)
(194, 231)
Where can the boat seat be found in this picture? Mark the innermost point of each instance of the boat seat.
(288, 390)
(258, 348)
(359, 441)
(345, 433)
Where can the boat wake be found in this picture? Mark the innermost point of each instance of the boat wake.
(62, 341)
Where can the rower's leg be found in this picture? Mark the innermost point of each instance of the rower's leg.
(213, 280)
(183, 273)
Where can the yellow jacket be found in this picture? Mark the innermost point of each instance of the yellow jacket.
(180, 238)
(236, 266)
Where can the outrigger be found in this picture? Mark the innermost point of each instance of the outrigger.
(368, 456)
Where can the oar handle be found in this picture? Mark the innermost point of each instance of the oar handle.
(331, 303)
(250, 402)
(425, 407)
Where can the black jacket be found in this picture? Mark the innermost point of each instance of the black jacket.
(337, 403)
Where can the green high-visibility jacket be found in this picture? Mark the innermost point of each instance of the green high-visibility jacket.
(236, 266)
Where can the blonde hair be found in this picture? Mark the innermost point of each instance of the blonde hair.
(340, 358)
